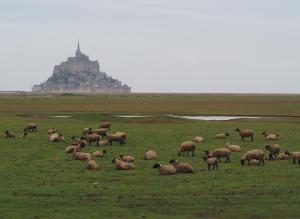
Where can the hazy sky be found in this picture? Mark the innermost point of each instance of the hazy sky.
(157, 45)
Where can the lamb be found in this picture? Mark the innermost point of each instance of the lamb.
(253, 154)
(274, 150)
(283, 156)
(245, 133)
(92, 165)
(198, 139)
(81, 156)
(72, 148)
(57, 137)
(92, 138)
(182, 167)
(254, 162)
(121, 165)
(117, 137)
(102, 131)
(103, 143)
(218, 153)
(270, 137)
(79, 141)
(222, 135)
(31, 127)
(150, 155)
(105, 125)
(127, 158)
(212, 161)
(232, 147)
(165, 169)
(99, 153)
(187, 147)
(87, 131)
(294, 155)
(52, 131)
(9, 134)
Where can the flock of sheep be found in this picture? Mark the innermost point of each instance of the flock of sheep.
(102, 137)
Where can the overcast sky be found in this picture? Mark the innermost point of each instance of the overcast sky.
(157, 45)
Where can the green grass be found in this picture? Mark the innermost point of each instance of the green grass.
(39, 180)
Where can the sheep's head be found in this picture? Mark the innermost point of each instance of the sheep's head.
(268, 147)
(205, 158)
(237, 130)
(288, 153)
(173, 161)
(104, 151)
(114, 160)
(208, 153)
(157, 165)
(121, 156)
(263, 133)
(73, 137)
(242, 162)
(179, 152)
(6, 132)
(227, 134)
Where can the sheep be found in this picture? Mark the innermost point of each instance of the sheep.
(92, 138)
(150, 155)
(9, 134)
(103, 143)
(99, 153)
(186, 147)
(52, 131)
(81, 156)
(117, 137)
(122, 165)
(212, 161)
(79, 141)
(127, 158)
(165, 169)
(72, 148)
(57, 137)
(271, 136)
(222, 135)
(232, 147)
(23, 135)
(253, 154)
(294, 155)
(246, 133)
(254, 162)
(31, 127)
(105, 125)
(87, 131)
(92, 165)
(218, 153)
(274, 150)
(182, 167)
(283, 156)
(198, 139)
(102, 131)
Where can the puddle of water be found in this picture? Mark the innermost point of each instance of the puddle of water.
(215, 118)
(131, 116)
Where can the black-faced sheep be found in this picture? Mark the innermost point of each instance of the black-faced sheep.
(57, 137)
(253, 154)
(165, 169)
(198, 139)
(150, 155)
(92, 165)
(31, 127)
(274, 150)
(283, 156)
(187, 147)
(82, 156)
(122, 165)
(90, 138)
(222, 135)
(232, 147)
(9, 134)
(127, 158)
(219, 153)
(182, 167)
(79, 141)
(52, 131)
(102, 131)
(212, 161)
(23, 135)
(72, 148)
(99, 153)
(117, 137)
(271, 136)
(87, 131)
(294, 155)
(245, 133)
(105, 125)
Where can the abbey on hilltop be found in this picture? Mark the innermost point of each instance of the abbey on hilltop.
(80, 75)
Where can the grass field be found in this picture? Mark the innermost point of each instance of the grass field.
(39, 180)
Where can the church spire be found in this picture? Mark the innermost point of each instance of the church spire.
(78, 52)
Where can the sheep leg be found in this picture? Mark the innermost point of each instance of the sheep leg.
(299, 162)
(217, 166)
(208, 166)
(263, 161)
(193, 153)
(97, 143)
(252, 139)
(294, 161)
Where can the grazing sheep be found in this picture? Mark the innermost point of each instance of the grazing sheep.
(245, 133)
(92, 165)
(57, 137)
(79, 141)
(117, 137)
(150, 155)
(283, 156)
(87, 131)
(122, 165)
(254, 162)
(92, 138)
(103, 143)
(222, 135)
(52, 131)
(82, 156)
(72, 148)
(294, 155)
(212, 161)
(232, 147)
(165, 169)
(99, 153)
(198, 139)
(31, 127)
(105, 125)
(102, 131)
(270, 137)
(274, 150)
(127, 158)
(253, 154)
(182, 167)
(218, 153)
(9, 134)
(187, 147)
(23, 135)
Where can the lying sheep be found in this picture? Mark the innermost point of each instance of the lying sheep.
(232, 147)
(52, 131)
(198, 139)
(92, 165)
(79, 141)
(117, 137)
(187, 147)
(218, 153)
(294, 155)
(82, 156)
(182, 167)
(72, 148)
(245, 133)
(254, 162)
(31, 127)
(102, 131)
(99, 153)
(103, 143)
(87, 131)
(57, 137)
(274, 150)
(212, 161)
(23, 135)
(222, 135)
(90, 138)
(283, 156)
(150, 155)
(9, 134)
(165, 169)
(253, 154)
(105, 125)
(127, 158)
(122, 165)
(270, 137)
